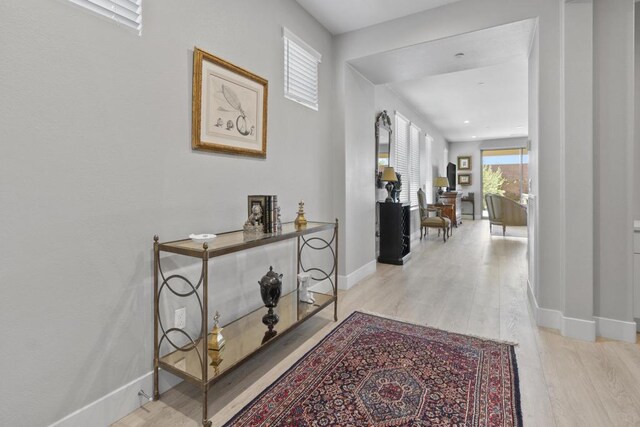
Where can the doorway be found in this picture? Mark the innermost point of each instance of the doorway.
(505, 172)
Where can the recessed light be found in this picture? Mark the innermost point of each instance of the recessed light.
(481, 83)
(519, 127)
(459, 55)
(474, 137)
(466, 122)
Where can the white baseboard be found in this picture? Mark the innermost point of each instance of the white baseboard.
(346, 282)
(568, 326)
(579, 329)
(350, 280)
(616, 329)
(110, 408)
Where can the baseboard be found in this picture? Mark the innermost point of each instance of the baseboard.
(350, 280)
(570, 327)
(346, 282)
(110, 408)
(579, 329)
(616, 329)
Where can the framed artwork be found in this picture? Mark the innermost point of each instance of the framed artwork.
(464, 163)
(464, 179)
(229, 112)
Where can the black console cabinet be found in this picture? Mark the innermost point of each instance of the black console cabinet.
(395, 233)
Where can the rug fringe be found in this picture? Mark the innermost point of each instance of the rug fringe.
(400, 319)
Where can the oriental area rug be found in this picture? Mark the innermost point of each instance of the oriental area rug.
(377, 372)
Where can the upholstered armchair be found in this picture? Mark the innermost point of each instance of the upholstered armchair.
(504, 211)
(437, 221)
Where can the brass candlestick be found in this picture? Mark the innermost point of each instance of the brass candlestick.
(216, 340)
(301, 221)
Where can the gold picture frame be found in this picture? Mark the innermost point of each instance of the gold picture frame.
(464, 179)
(229, 111)
(464, 163)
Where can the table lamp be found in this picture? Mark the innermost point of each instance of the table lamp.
(389, 175)
(441, 181)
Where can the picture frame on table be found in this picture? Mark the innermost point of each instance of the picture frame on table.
(464, 179)
(464, 163)
(229, 109)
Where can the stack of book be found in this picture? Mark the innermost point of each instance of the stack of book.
(269, 206)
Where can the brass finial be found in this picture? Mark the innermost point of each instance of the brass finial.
(156, 238)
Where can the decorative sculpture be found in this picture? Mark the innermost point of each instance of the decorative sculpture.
(254, 222)
(216, 340)
(300, 221)
(270, 291)
(303, 291)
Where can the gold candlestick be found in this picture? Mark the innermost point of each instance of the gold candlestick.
(216, 340)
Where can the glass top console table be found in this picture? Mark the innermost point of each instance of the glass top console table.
(246, 336)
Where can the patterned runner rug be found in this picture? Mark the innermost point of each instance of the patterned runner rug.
(373, 371)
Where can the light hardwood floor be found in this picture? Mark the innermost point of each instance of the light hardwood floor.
(474, 284)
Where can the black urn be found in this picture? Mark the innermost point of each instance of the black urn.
(271, 288)
(270, 291)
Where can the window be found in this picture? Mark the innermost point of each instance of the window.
(300, 70)
(402, 155)
(124, 12)
(407, 159)
(428, 139)
(414, 161)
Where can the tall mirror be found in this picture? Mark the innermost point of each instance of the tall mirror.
(383, 144)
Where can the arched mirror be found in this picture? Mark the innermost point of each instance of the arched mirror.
(383, 144)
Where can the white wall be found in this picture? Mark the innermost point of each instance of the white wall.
(613, 141)
(636, 178)
(96, 159)
(473, 149)
(578, 157)
(360, 114)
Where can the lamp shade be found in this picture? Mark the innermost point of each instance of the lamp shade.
(388, 174)
(442, 181)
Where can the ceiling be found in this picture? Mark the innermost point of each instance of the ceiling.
(446, 88)
(341, 16)
(494, 101)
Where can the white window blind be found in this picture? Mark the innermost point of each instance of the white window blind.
(124, 12)
(300, 70)
(402, 155)
(414, 164)
(429, 161)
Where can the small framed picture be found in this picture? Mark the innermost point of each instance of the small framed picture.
(464, 179)
(464, 163)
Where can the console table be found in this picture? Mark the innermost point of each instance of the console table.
(473, 205)
(194, 361)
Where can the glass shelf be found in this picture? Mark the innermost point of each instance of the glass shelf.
(235, 241)
(243, 338)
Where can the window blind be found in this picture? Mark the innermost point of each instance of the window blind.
(414, 164)
(300, 70)
(429, 161)
(124, 12)
(402, 155)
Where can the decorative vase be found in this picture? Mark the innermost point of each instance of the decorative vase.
(270, 291)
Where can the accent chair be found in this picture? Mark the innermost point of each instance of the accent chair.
(504, 211)
(437, 221)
